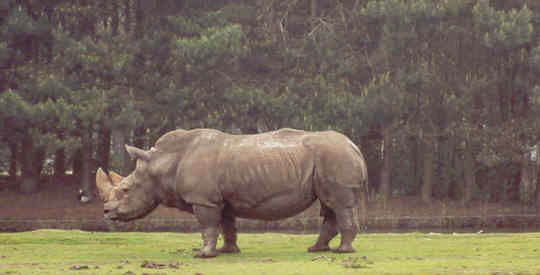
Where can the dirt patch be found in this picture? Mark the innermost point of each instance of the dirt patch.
(153, 265)
(56, 206)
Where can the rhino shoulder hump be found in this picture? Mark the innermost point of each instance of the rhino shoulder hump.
(181, 137)
(170, 137)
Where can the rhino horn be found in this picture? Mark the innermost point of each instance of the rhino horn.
(137, 153)
(105, 182)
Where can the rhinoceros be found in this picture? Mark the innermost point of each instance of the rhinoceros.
(218, 177)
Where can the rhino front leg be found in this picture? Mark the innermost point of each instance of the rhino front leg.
(228, 226)
(209, 218)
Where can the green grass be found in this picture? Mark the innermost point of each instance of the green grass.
(62, 252)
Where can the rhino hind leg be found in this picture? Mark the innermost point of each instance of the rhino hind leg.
(328, 231)
(339, 201)
(229, 231)
(347, 228)
(209, 219)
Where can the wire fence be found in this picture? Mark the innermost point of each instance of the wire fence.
(494, 223)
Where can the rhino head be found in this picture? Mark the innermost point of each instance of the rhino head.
(131, 197)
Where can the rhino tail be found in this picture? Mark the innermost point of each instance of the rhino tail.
(363, 165)
(360, 211)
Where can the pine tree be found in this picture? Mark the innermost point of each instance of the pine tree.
(25, 51)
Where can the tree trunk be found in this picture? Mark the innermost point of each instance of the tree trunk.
(511, 191)
(127, 16)
(457, 189)
(497, 188)
(30, 181)
(120, 139)
(447, 170)
(87, 182)
(537, 196)
(76, 165)
(13, 161)
(386, 170)
(418, 155)
(39, 160)
(538, 191)
(139, 20)
(139, 137)
(468, 174)
(104, 146)
(59, 163)
(86, 20)
(528, 182)
(427, 187)
(115, 22)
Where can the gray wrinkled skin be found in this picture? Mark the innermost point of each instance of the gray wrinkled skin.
(218, 177)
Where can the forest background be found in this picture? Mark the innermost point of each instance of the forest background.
(442, 96)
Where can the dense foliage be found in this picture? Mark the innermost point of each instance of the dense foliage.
(442, 95)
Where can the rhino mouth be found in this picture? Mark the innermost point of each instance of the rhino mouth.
(115, 218)
(110, 215)
(114, 215)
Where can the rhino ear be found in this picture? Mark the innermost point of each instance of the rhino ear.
(137, 153)
(114, 177)
(103, 184)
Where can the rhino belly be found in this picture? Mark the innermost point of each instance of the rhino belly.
(277, 206)
(268, 179)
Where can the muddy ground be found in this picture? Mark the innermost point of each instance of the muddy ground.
(56, 206)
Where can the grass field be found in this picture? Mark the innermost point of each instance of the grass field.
(78, 252)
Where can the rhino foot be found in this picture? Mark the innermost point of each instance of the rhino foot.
(344, 249)
(230, 249)
(206, 254)
(317, 248)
